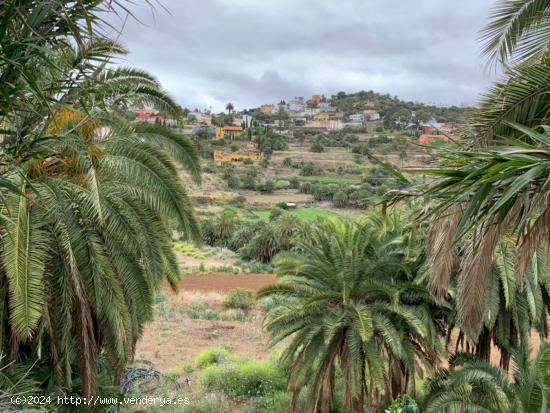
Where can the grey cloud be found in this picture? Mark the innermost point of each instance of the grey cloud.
(251, 52)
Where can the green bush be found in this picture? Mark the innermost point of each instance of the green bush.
(205, 314)
(277, 402)
(242, 235)
(316, 147)
(263, 246)
(360, 198)
(282, 184)
(243, 379)
(324, 192)
(275, 213)
(340, 199)
(211, 355)
(287, 162)
(256, 267)
(239, 298)
(266, 186)
(294, 182)
(308, 169)
(306, 187)
(403, 404)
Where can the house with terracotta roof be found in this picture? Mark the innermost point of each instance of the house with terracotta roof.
(314, 101)
(230, 132)
(424, 139)
(149, 115)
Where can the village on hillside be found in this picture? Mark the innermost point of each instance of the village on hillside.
(360, 112)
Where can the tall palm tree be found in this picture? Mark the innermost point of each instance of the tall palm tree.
(471, 385)
(229, 108)
(86, 242)
(347, 307)
(502, 185)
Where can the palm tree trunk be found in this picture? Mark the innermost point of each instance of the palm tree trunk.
(358, 402)
(483, 346)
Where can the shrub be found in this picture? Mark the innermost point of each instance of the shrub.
(248, 161)
(242, 236)
(263, 246)
(257, 267)
(353, 171)
(243, 379)
(316, 147)
(360, 198)
(210, 168)
(267, 186)
(308, 169)
(206, 314)
(340, 199)
(239, 298)
(294, 182)
(233, 182)
(211, 355)
(227, 171)
(324, 192)
(282, 184)
(248, 181)
(403, 404)
(306, 187)
(275, 213)
(208, 231)
(287, 162)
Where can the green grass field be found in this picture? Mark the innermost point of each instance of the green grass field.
(303, 213)
(322, 179)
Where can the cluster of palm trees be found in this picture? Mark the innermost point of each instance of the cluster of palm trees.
(365, 308)
(86, 198)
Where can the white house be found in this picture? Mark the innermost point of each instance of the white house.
(357, 118)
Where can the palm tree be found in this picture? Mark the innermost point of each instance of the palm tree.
(502, 185)
(518, 30)
(471, 385)
(86, 243)
(346, 307)
(229, 108)
(511, 315)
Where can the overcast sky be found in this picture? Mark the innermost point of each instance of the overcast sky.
(209, 52)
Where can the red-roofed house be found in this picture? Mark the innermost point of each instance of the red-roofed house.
(228, 132)
(153, 116)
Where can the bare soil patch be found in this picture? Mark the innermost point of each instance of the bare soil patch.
(212, 281)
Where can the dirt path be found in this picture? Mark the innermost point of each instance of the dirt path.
(224, 281)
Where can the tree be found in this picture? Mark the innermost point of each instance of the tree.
(422, 116)
(229, 108)
(511, 166)
(475, 386)
(86, 241)
(347, 302)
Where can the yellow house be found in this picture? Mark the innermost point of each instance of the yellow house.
(228, 132)
(221, 157)
(267, 109)
(321, 117)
